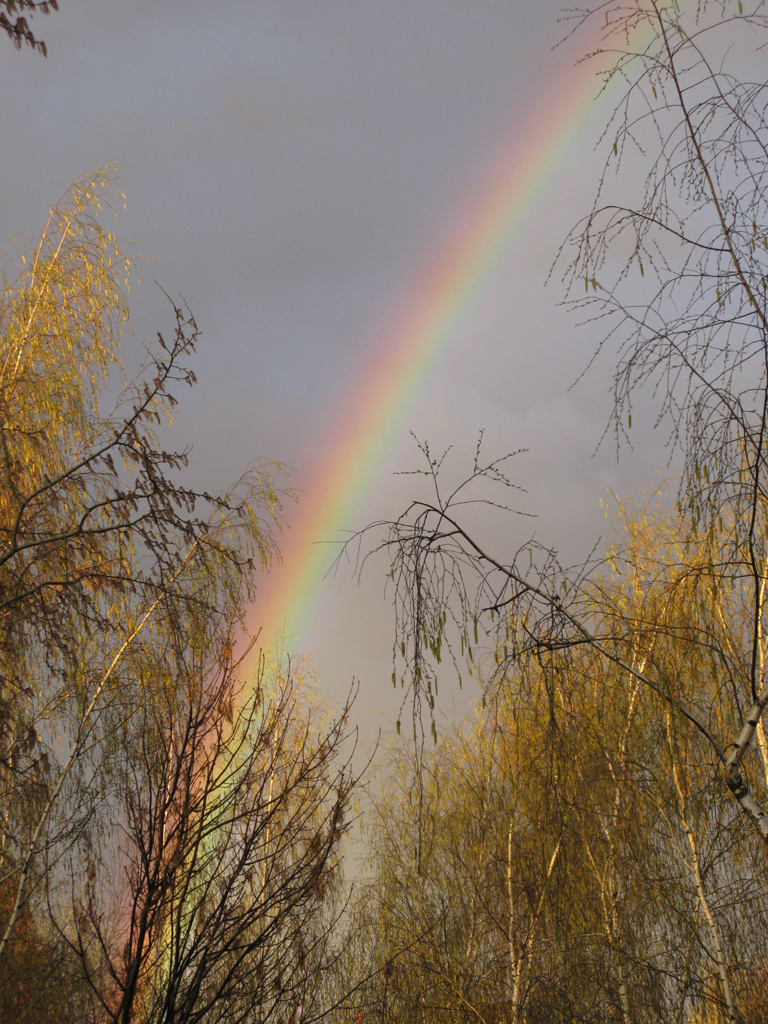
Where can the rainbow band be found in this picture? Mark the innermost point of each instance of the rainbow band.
(506, 204)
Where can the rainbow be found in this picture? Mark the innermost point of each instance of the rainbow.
(504, 205)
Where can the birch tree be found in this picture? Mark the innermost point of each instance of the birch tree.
(107, 560)
(580, 858)
(465, 878)
(677, 270)
(211, 897)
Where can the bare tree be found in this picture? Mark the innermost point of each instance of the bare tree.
(212, 896)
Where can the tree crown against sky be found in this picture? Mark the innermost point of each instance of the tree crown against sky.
(569, 852)
(678, 274)
(623, 764)
(171, 819)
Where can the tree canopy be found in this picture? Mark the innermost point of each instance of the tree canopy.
(171, 825)
(630, 690)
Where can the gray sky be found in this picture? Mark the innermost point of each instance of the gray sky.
(291, 167)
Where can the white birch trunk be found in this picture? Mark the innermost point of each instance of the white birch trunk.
(695, 868)
(520, 959)
(761, 738)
